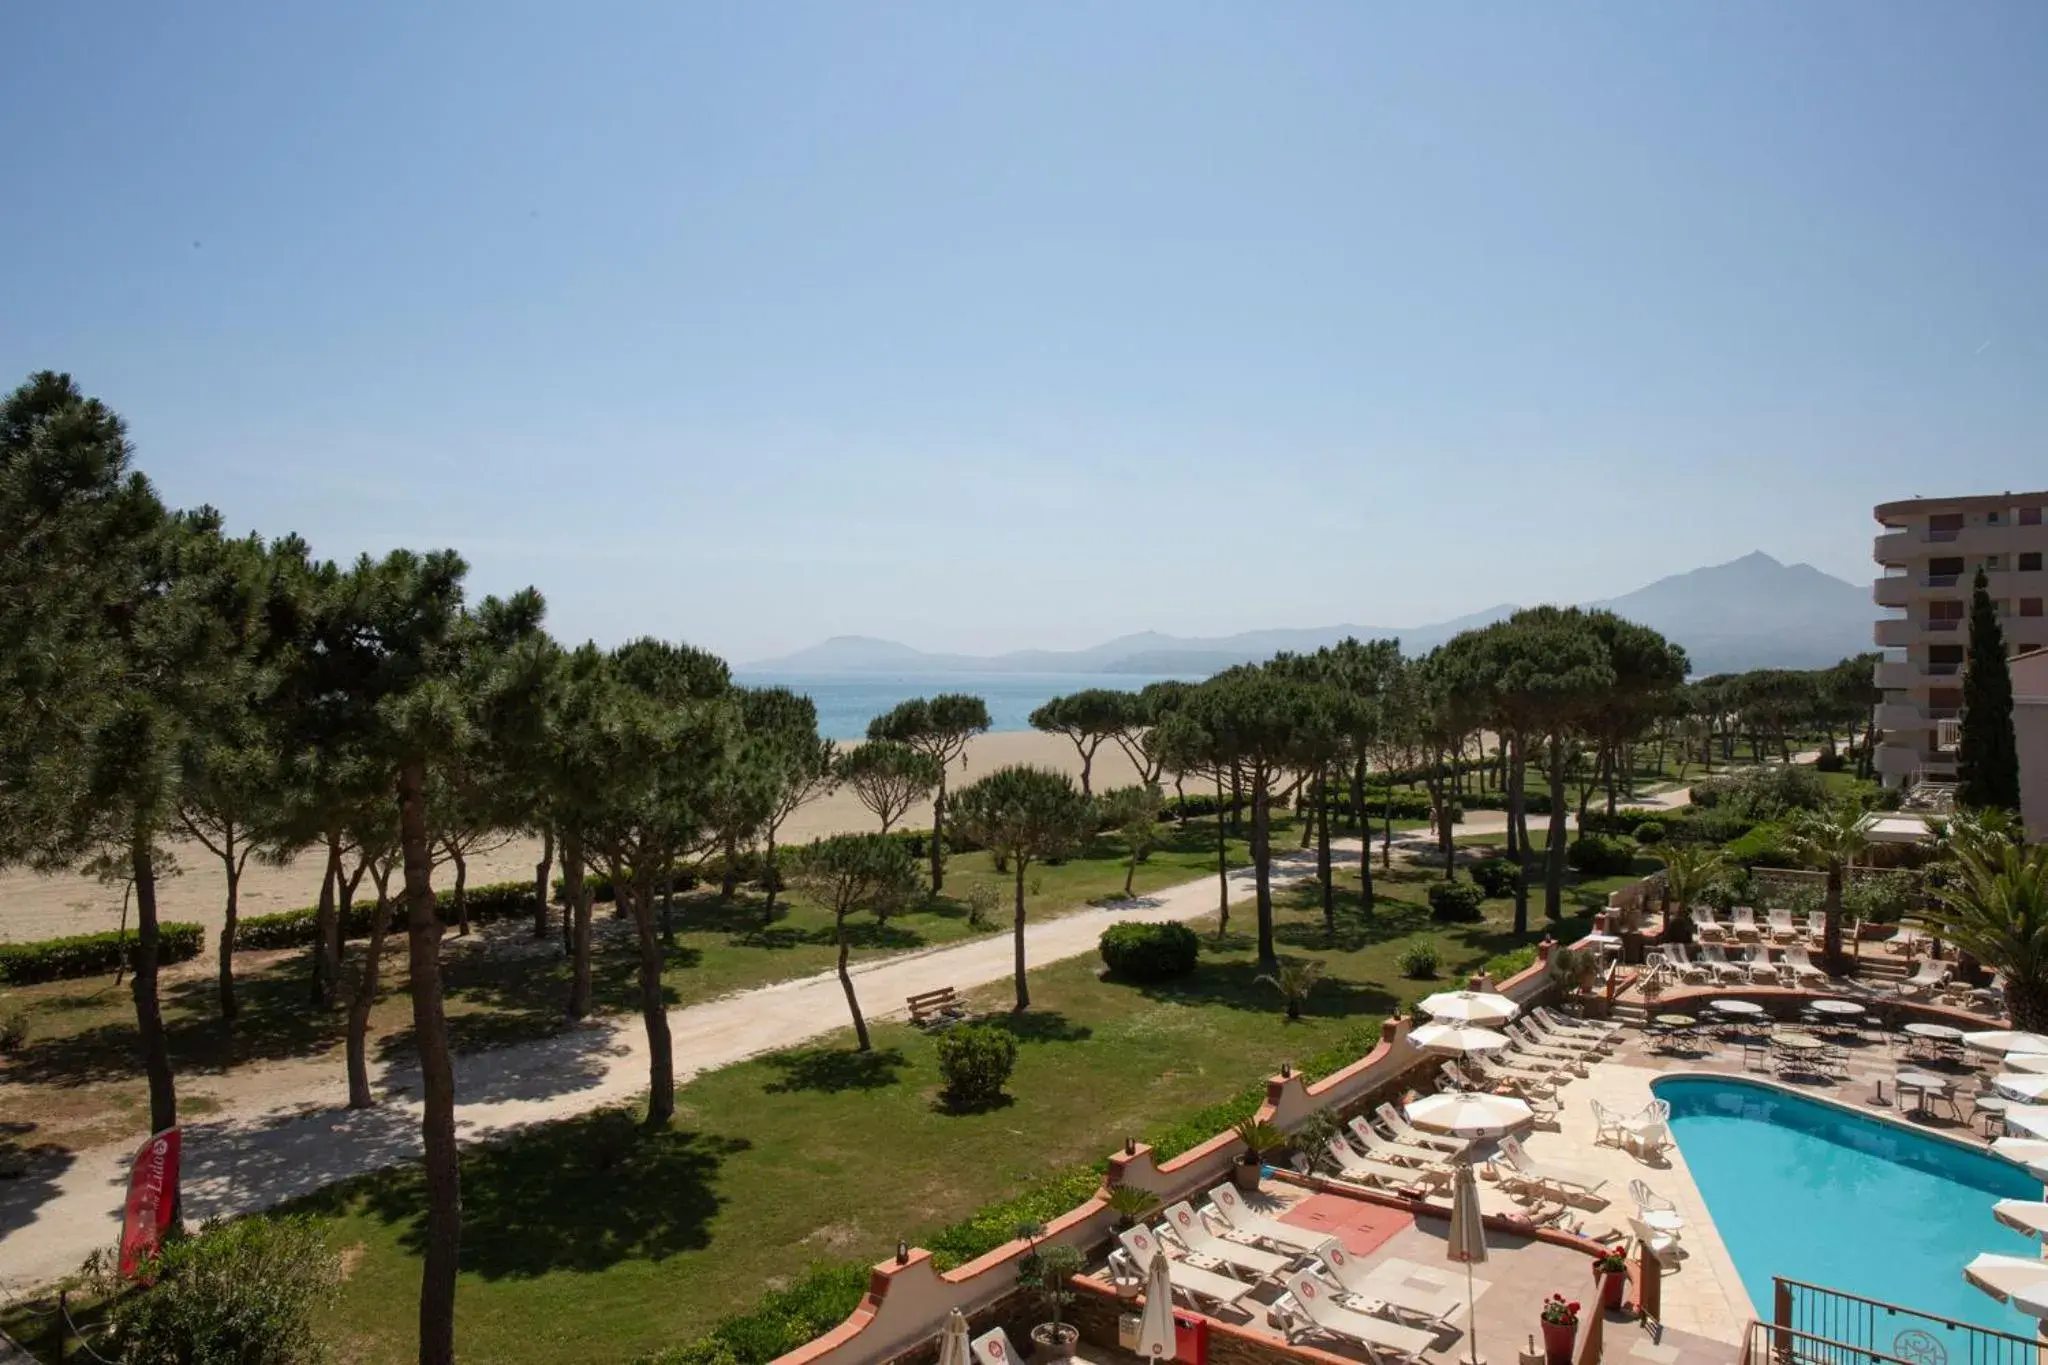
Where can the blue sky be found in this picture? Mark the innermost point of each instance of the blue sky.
(993, 326)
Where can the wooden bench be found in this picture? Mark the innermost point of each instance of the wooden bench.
(941, 1006)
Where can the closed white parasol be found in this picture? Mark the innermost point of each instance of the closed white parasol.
(1467, 1244)
(1155, 1328)
(1457, 1038)
(953, 1339)
(1469, 1115)
(1470, 1007)
(2021, 1281)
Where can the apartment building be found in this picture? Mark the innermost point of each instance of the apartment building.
(1930, 550)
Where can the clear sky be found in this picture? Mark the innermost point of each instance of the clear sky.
(985, 326)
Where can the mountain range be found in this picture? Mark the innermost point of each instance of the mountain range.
(1752, 612)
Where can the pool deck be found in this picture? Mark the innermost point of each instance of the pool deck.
(1703, 1294)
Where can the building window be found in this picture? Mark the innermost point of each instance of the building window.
(1994, 518)
(2030, 516)
(2030, 606)
(2030, 562)
(1993, 563)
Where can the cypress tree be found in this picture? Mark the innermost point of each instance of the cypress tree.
(1988, 761)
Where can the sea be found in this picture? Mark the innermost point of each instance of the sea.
(848, 701)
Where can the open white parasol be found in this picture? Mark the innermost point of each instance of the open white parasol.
(2022, 1215)
(1462, 1114)
(2021, 1281)
(2007, 1040)
(1470, 1007)
(1457, 1038)
(2031, 1119)
(2031, 1153)
(2021, 1085)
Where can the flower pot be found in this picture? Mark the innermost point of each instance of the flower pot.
(1054, 1340)
(1558, 1340)
(1245, 1175)
(1613, 1285)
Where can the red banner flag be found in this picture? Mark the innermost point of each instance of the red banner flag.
(152, 1201)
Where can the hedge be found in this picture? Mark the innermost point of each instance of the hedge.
(295, 928)
(1601, 855)
(1150, 952)
(61, 959)
(1455, 901)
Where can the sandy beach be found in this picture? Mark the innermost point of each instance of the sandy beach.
(33, 906)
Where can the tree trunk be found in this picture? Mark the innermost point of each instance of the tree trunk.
(1312, 798)
(1831, 924)
(1088, 768)
(149, 1017)
(1130, 872)
(576, 915)
(1612, 760)
(1180, 801)
(1236, 799)
(1358, 812)
(326, 931)
(771, 877)
(1323, 869)
(729, 883)
(1387, 834)
(860, 1024)
(461, 889)
(365, 998)
(661, 1068)
(1517, 820)
(1553, 862)
(1262, 872)
(541, 888)
(1222, 864)
(668, 911)
(437, 1075)
(938, 861)
(2026, 999)
(1017, 934)
(232, 867)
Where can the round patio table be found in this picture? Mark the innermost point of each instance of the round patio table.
(1845, 1008)
(1940, 1033)
(1797, 1042)
(1747, 1009)
(1925, 1084)
(1675, 1020)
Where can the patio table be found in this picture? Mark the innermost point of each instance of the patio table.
(1675, 1020)
(1926, 1086)
(1845, 1008)
(1937, 1040)
(1744, 1009)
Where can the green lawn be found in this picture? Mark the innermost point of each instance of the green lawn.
(83, 1085)
(589, 1241)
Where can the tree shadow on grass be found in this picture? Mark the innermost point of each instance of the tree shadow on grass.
(1357, 925)
(1236, 985)
(1041, 1026)
(942, 1103)
(862, 933)
(581, 1195)
(831, 1071)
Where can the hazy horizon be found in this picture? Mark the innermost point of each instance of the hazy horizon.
(994, 329)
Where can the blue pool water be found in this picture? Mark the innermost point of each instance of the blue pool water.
(1814, 1193)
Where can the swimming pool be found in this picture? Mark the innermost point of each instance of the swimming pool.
(1815, 1193)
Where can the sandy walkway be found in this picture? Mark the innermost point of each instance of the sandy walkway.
(33, 906)
(284, 1136)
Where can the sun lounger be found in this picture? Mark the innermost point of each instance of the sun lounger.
(1716, 960)
(1358, 1170)
(1396, 1122)
(1709, 929)
(1534, 1058)
(1796, 964)
(1314, 1310)
(1230, 1207)
(1397, 1288)
(1209, 1285)
(994, 1348)
(1929, 977)
(1525, 1170)
(1742, 921)
(1782, 930)
(1525, 1030)
(1517, 1078)
(1194, 1235)
(1556, 1022)
(1387, 1149)
(1687, 969)
(1558, 1054)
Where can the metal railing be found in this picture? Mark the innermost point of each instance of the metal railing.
(1812, 1323)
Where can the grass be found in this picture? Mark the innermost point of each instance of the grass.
(590, 1241)
(79, 1084)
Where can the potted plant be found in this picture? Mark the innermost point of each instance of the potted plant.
(1610, 1270)
(1130, 1203)
(1256, 1137)
(1047, 1270)
(1560, 1329)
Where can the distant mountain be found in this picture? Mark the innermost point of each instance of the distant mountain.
(1755, 612)
(1752, 612)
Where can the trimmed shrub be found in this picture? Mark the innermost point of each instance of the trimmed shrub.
(1830, 761)
(1763, 846)
(62, 959)
(244, 1291)
(975, 1061)
(1418, 961)
(1149, 952)
(1455, 901)
(1650, 832)
(13, 1031)
(1500, 968)
(1600, 855)
(1496, 876)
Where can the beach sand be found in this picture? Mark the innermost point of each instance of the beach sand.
(34, 906)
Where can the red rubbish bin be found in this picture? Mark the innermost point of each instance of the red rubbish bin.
(1190, 1339)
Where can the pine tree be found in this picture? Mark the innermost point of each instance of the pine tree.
(1987, 762)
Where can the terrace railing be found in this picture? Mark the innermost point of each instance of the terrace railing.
(1814, 1325)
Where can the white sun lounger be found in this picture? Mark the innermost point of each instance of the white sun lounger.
(1796, 962)
(1398, 1287)
(1188, 1228)
(1397, 1123)
(1782, 929)
(1141, 1246)
(994, 1348)
(1555, 1022)
(1381, 1174)
(1230, 1207)
(1314, 1302)
(1386, 1149)
(1742, 920)
(1525, 1170)
(1928, 977)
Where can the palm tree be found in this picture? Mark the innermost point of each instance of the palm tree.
(1830, 839)
(1294, 979)
(1689, 869)
(1998, 913)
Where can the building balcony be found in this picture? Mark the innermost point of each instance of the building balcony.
(1896, 760)
(1911, 546)
(1894, 590)
(1895, 676)
(1896, 633)
(1901, 715)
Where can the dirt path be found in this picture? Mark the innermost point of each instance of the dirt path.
(281, 1131)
